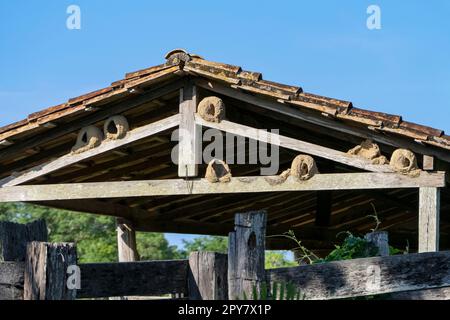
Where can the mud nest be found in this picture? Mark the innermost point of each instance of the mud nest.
(116, 127)
(303, 167)
(404, 161)
(88, 138)
(369, 150)
(211, 109)
(218, 171)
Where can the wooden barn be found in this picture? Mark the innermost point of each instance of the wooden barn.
(110, 152)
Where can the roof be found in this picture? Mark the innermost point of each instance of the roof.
(179, 63)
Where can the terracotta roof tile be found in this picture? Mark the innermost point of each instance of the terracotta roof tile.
(249, 81)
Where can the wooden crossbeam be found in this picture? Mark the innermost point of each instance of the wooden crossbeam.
(297, 113)
(70, 159)
(189, 146)
(146, 188)
(294, 144)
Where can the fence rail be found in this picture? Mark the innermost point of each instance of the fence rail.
(145, 278)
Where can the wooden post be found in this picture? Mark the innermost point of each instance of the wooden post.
(380, 240)
(46, 271)
(189, 144)
(246, 246)
(429, 207)
(208, 276)
(126, 241)
(14, 238)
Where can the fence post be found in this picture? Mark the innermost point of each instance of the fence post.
(15, 236)
(380, 240)
(246, 246)
(126, 241)
(207, 278)
(46, 271)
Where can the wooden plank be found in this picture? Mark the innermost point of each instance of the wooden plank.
(380, 240)
(208, 276)
(297, 113)
(294, 144)
(428, 163)
(11, 280)
(189, 145)
(126, 241)
(109, 145)
(14, 238)
(144, 278)
(368, 276)
(246, 252)
(147, 188)
(429, 207)
(46, 271)
(428, 294)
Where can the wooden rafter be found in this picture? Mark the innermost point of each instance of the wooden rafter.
(109, 145)
(294, 144)
(98, 190)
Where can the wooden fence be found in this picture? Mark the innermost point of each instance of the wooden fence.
(49, 271)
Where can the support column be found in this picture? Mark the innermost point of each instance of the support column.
(208, 276)
(246, 253)
(126, 241)
(189, 140)
(429, 207)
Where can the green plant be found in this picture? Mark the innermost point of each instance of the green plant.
(279, 291)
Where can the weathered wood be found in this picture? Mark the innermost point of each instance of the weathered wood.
(336, 126)
(121, 189)
(368, 276)
(108, 145)
(189, 145)
(428, 294)
(11, 280)
(380, 240)
(103, 113)
(208, 276)
(14, 238)
(293, 144)
(46, 271)
(428, 163)
(144, 278)
(246, 248)
(429, 207)
(126, 241)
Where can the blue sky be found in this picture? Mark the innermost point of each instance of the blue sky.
(323, 46)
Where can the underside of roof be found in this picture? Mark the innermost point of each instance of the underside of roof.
(152, 94)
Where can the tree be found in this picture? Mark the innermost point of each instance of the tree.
(94, 235)
(206, 243)
(277, 259)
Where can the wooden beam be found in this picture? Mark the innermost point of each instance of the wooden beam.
(297, 113)
(133, 278)
(109, 145)
(368, 276)
(126, 241)
(428, 163)
(147, 188)
(46, 271)
(294, 144)
(189, 145)
(11, 280)
(429, 199)
(105, 112)
(208, 276)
